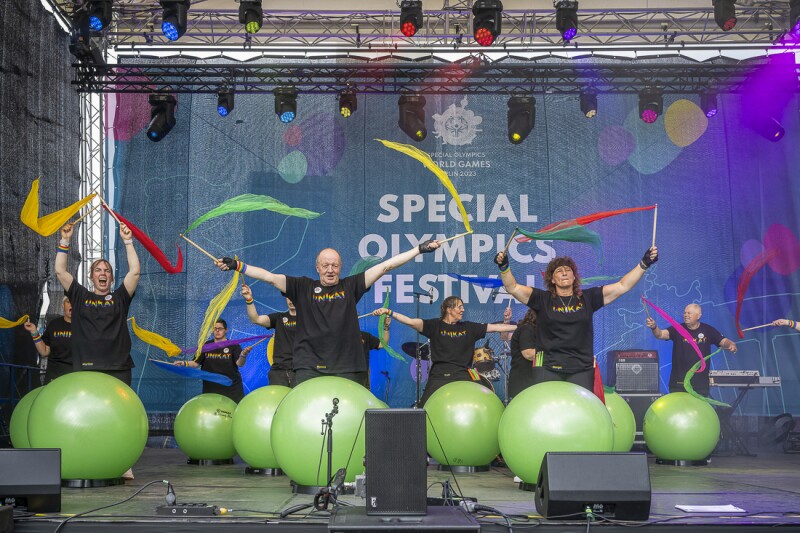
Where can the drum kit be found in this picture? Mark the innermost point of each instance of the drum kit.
(491, 368)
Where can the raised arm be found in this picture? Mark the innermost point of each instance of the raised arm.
(134, 269)
(374, 273)
(521, 292)
(615, 290)
(788, 323)
(63, 275)
(252, 314)
(276, 280)
(415, 323)
(658, 333)
(41, 347)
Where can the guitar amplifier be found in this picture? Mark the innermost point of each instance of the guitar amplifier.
(633, 371)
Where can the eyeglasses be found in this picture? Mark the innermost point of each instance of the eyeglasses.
(219, 328)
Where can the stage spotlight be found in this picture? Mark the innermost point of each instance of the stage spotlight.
(651, 105)
(174, 19)
(724, 14)
(589, 103)
(794, 17)
(251, 15)
(162, 116)
(566, 18)
(224, 102)
(708, 103)
(410, 17)
(348, 103)
(769, 128)
(99, 14)
(521, 117)
(285, 103)
(487, 22)
(412, 116)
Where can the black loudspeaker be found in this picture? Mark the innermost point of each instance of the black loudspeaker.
(396, 462)
(610, 484)
(31, 478)
(633, 370)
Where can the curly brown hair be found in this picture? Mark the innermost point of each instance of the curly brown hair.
(559, 262)
(528, 319)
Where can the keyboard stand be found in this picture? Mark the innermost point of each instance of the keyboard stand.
(735, 441)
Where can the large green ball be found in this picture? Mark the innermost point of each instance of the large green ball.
(623, 420)
(554, 416)
(18, 426)
(296, 440)
(204, 427)
(679, 427)
(463, 418)
(98, 422)
(252, 425)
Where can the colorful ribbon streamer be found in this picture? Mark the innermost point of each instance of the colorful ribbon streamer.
(214, 310)
(571, 234)
(7, 324)
(190, 372)
(426, 160)
(750, 270)
(48, 224)
(252, 202)
(680, 329)
(588, 219)
(381, 325)
(687, 382)
(489, 283)
(364, 263)
(151, 247)
(211, 346)
(154, 339)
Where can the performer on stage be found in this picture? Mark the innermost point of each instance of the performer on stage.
(100, 338)
(281, 372)
(452, 342)
(523, 355)
(371, 342)
(225, 361)
(564, 315)
(54, 345)
(328, 338)
(786, 322)
(683, 355)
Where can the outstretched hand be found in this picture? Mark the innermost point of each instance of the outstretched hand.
(246, 292)
(381, 311)
(67, 230)
(125, 232)
(650, 257)
(428, 246)
(226, 263)
(30, 327)
(501, 260)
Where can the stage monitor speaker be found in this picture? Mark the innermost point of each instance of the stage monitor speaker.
(31, 478)
(633, 370)
(611, 484)
(396, 462)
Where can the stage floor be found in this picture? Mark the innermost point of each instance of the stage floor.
(767, 487)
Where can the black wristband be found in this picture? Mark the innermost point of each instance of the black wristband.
(646, 261)
(229, 262)
(501, 264)
(425, 247)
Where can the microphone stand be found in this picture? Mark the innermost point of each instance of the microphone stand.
(388, 385)
(417, 297)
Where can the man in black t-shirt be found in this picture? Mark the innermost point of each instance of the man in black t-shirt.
(328, 338)
(683, 354)
(100, 338)
(225, 361)
(452, 343)
(55, 344)
(281, 371)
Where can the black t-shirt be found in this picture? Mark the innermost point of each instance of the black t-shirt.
(521, 375)
(565, 328)
(100, 338)
(684, 356)
(58, 336)
(284, 325)
(369, 342)
(222, 361)
(452, 345)
(327, 338)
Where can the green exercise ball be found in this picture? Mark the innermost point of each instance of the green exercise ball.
(18, 426)
(462, 422)
(623, 420)
(252, 424)
(98, 422)
(296, 440)
(204, 427)
(555, 416)
(679, 427)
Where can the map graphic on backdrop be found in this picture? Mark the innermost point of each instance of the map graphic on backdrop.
(375, 202)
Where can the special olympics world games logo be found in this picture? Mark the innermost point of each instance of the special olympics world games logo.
(457, 125)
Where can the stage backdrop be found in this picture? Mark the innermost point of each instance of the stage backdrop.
(723, 192)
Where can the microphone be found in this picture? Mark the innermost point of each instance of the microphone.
(428, 295)
(336, 401)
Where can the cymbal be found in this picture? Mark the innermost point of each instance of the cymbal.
(410, 348)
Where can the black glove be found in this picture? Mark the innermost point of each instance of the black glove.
(231, 263)
(646, 261)
(425, 247)
(501, 263)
